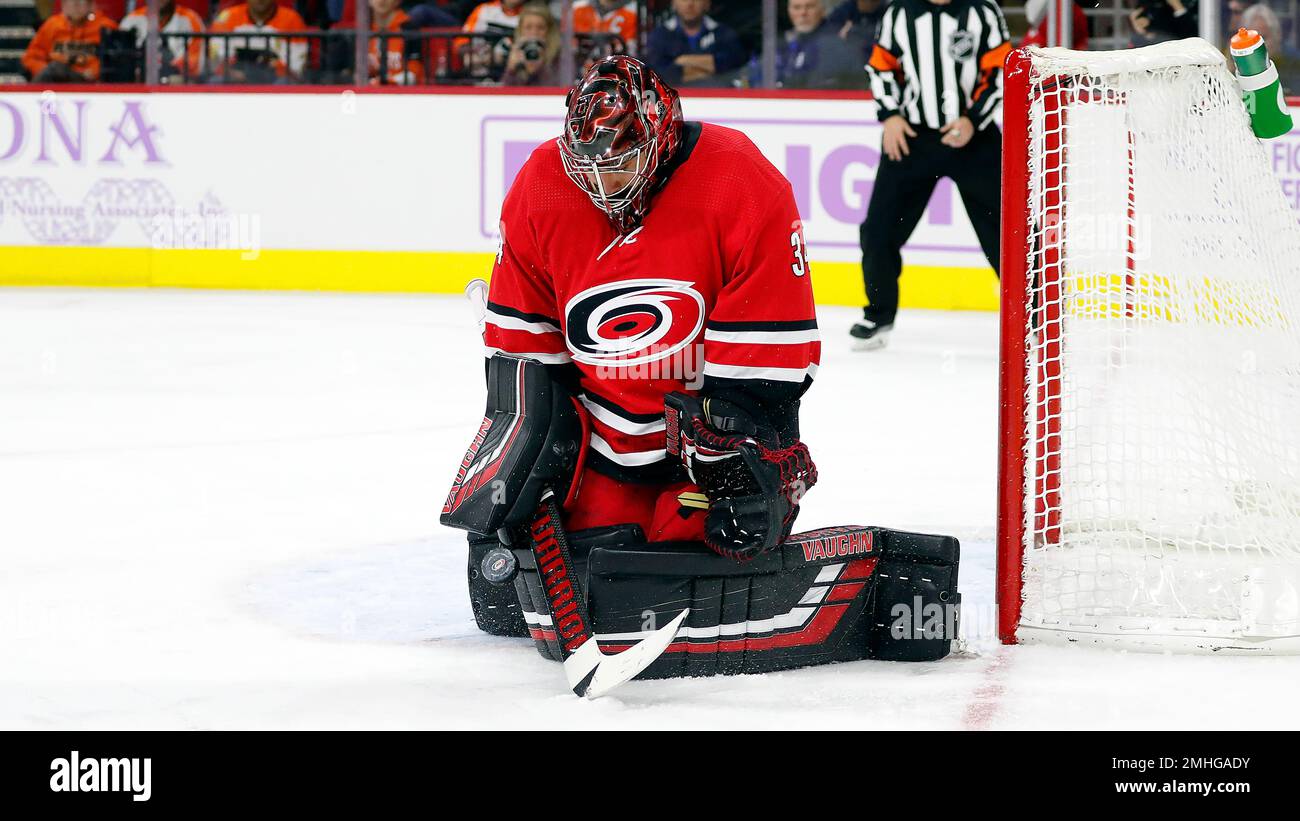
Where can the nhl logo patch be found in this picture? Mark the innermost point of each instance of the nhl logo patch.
(962, 46)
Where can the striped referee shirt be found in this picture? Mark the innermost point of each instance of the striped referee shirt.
(933, 64)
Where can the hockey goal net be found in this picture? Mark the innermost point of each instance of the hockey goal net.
(1150, 366)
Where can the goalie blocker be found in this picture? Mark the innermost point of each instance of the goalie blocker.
(835, 594)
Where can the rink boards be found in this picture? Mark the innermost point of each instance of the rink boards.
(338, 190)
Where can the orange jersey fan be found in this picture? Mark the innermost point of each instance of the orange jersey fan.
(187, 53)
(589, 18)
(397, 68)
(290, 54)
(60, 41)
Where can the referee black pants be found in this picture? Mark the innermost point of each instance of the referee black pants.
(901, 192)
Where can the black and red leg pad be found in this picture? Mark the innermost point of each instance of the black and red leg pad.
(836, 594)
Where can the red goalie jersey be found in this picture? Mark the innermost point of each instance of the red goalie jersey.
(710, 294)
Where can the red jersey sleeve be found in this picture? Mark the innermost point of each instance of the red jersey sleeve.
(523, 314)
(761, 345)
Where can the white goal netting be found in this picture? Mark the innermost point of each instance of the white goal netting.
(1162, 480)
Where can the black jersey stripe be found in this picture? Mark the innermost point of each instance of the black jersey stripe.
(663, 472)
(506, 310)
(614, 408)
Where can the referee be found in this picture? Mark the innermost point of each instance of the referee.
(936, 74)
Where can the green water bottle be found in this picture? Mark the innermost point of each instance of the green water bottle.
(1261, 90)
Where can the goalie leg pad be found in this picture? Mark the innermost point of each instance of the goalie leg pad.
(531, 597)
(837, 594)
(917, 606)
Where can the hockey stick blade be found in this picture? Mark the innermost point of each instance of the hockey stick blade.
(591, 673)
(476, 291)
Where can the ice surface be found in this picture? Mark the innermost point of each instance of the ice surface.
(219, 510)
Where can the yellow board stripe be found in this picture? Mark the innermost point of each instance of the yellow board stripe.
(437, 272)
(921, 286)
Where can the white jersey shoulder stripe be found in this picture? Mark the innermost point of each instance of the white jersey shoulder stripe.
(514, 323)
(773, 374)
(762, 337)
(618, 423)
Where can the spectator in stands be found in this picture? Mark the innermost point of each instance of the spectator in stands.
(743, 17)
(1263, 19)
(114, 10)
(1155, 21)
(222, 5)
(430, 16)
(315, 14)
(691, 48)
(486, 56)
(181, 55)
(434, 51)
(460, 9)
(597, 22)
(1036, 16)
(264, 59)
(857, 21)
(814, 54)
(395, 67)
(499, 15)
(1235, 8)
(535, 50)
(64, 47)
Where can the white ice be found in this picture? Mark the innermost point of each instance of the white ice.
(219, 510)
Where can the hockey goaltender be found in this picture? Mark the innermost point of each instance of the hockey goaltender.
(640, 526)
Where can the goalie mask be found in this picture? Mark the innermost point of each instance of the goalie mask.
(623, 127)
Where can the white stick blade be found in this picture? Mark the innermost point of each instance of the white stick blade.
(582, 664)
(617, 669)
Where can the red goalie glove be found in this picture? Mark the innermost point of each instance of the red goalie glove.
(754, 487)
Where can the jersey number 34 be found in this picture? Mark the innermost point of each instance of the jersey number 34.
(800, 266)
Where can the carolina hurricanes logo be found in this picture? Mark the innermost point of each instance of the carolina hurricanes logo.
(633, 321)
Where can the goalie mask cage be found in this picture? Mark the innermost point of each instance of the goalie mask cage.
(1149, 487)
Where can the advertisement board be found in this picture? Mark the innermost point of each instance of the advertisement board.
(334, 189)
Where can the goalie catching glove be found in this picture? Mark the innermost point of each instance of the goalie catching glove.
(753, 485)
